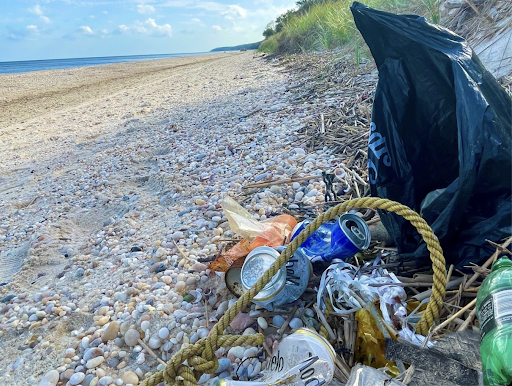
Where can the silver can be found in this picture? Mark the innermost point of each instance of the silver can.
(286, 286)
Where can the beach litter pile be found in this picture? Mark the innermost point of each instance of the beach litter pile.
(190, 224)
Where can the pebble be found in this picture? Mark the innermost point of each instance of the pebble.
(237, 352)
(76, 378)
(105, 380)
(129, 377)
(110, 332)
(95, 362)
(145, 325)
(262, 323)
(163, 333)
(154, 342)
(278, 321)
(131, 337)
(50, 378)
(296, 323)
(224, 363)
(87, 380)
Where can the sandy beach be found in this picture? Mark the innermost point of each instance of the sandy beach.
(111, 183)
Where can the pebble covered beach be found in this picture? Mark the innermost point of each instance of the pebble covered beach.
(108, 206)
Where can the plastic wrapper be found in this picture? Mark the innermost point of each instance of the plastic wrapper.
(273, 232)
(276, 230)
(362, 375)
(349, 291)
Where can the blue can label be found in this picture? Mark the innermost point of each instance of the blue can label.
(298, 271)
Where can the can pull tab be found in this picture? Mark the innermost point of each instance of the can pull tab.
(357, 232)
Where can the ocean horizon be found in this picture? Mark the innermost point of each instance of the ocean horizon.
(17, 67)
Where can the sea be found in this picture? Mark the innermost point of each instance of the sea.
(55, 64)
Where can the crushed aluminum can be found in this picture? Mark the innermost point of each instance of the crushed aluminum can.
(303, 358)
(286, 286)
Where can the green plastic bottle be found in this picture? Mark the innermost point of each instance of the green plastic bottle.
(494, 312)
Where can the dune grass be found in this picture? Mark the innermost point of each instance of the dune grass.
(325, 26)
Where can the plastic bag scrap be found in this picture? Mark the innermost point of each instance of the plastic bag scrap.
(273, 232)
(362, 375)
(440, 137)
(350, 291)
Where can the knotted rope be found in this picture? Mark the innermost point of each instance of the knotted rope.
(200, 357)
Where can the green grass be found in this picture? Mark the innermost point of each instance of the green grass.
(324, 27)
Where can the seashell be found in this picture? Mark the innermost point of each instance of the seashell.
(197, 295)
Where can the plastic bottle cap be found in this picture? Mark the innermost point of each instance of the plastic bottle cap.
(503, 262)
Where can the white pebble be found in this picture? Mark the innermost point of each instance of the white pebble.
(145, 325)
(76, 378)
(237, 351)
(262, 322)
(163, 333)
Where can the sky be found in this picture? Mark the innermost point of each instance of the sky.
(54, 29)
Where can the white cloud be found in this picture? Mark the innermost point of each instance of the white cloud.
(234, 12)
(216, 28)
(149, 27)
(177, 3)
(105, 12)
(104, 31)
(145, 9)
(196, 20)
(123, 28)
(86, 30)
(209, 6)
(37, 10)
(164, 29)
(33, 28)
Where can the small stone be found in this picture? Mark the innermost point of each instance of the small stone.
(105, 380)
(50, 378)
(154, 343)
(76, 378)
(251, 352)
(241, 321)
(94, 362)
(102, 321)
(278, 321)
(145, 325)
(163, 333)
(296, 323)
(111, 331)
(224, 363)
(237, 352)
(129, 377)
(80, 272)
(262, 322)
(88, 379)
(131, 338)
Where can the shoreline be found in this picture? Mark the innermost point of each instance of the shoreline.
(27, 95)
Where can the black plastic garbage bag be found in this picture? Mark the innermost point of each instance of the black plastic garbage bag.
(440, 140)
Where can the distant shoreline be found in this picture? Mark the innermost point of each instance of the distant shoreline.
(23, 66)
(24, 96)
